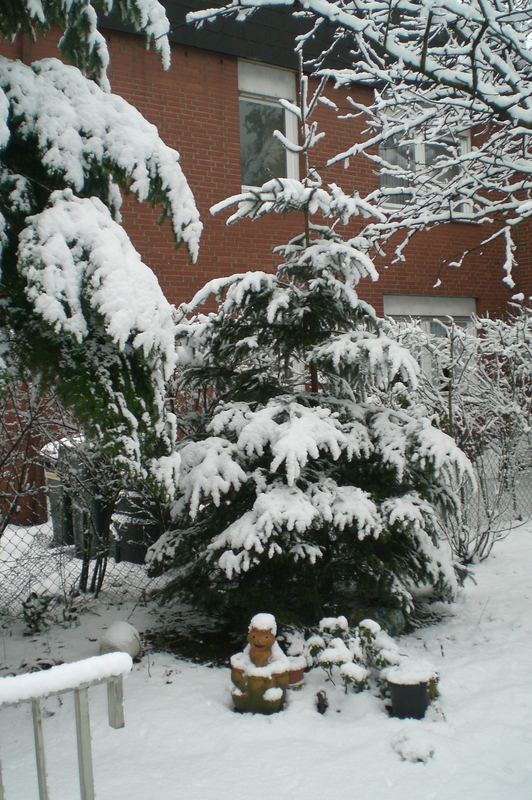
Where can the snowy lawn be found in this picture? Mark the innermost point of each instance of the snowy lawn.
(182, 740)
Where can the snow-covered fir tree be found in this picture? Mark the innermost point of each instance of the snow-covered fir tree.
(300, 489)
(78, 308)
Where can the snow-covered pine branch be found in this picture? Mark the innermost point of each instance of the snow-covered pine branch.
(90, 141)
(81, 42)
(88, 292)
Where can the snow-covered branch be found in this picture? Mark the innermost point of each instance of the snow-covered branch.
(473, 49)
(87, 140)
(450, 128)
(81, 42)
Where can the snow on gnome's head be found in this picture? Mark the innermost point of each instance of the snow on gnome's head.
(262, 631)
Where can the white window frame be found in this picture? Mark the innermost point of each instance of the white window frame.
(425, 310)
(263, 83)
(464, 140)
(430, 307)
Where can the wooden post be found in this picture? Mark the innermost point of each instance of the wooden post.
(115, 710)
(83, 732)
(2, 793)
(115, 702)
(39, 748)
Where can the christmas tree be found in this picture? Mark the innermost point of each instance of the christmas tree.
(301, 489)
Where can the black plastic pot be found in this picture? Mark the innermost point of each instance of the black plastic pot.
(409, 700)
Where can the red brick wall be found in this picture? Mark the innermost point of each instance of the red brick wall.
(195, 107)
(523, 273)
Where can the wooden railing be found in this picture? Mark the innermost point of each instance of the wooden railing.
(78, 678)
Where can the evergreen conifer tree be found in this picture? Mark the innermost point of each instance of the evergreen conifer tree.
(301, 489)
(79, 311)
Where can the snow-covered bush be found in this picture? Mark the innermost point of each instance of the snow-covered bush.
(80, 311)
(37, 612)
(477, 386)
(300, 484)
(355, 656)
(360, 657)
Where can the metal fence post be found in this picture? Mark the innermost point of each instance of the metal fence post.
(2, 793)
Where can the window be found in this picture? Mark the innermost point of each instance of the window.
(262, 156)
(433, 314)
(413, 157)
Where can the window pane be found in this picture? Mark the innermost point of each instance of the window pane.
(401, 156)
(435, 153)
(441, 327)
(261, 155)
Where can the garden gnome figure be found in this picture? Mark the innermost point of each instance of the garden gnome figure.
(261, 672)
(261, 640)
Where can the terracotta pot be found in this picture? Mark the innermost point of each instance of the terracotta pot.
(296, 678)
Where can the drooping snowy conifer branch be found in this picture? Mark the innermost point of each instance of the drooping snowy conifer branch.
(89, 140)
(82, 43)
(88, 289)
(79, 311)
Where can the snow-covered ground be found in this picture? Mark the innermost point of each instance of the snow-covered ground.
(182, 740)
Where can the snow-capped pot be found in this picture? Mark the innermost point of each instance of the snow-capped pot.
(261, 672)
(413, 684)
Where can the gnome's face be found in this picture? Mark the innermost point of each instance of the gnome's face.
(261, 643)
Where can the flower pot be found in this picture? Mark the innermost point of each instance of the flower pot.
(258, 694)
(413, 684)
(409, 700)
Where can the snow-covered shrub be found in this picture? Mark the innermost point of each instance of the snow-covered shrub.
(477, 387)
(37, 611)
(360, 657)
(300, 484)
(353, 655)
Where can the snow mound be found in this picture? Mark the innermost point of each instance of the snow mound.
(413, 746)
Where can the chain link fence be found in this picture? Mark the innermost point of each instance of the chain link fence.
(32, 562)
(68, 523)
